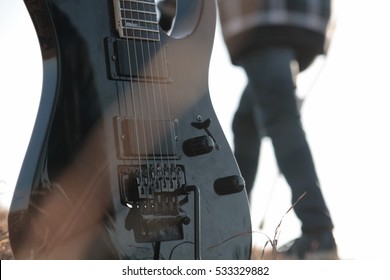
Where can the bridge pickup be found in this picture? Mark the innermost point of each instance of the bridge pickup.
(145, 138)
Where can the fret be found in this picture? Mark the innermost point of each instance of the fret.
(131, 11)
(137, 19)
(141, 16)
(141, 34)
(136, 5)
(142, 25)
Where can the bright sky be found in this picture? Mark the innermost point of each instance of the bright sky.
(346, 118)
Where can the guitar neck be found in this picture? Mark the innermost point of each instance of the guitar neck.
(137, 19)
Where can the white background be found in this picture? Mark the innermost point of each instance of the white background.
(346, 116)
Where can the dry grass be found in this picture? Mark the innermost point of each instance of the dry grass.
(268, 252)
(5, 247)
(6, 252)
(258, 253)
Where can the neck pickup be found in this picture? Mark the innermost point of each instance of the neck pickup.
(136, 19)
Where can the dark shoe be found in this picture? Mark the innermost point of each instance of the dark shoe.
(319, 246)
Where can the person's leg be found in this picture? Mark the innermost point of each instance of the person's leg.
(247, 139)
(272, 82)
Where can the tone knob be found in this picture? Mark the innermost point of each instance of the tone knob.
(229, 185)
(198, 146)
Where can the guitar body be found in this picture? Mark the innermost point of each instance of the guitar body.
(127, 159)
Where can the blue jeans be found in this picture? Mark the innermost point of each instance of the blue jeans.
(268, 107)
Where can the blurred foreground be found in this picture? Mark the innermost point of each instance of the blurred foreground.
(5, 248)
(6, 252)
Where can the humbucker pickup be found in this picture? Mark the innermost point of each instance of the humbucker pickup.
(132, 59)
(142, 138)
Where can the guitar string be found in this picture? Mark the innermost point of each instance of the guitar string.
(139, 117)
(170, 132)
(127, 34)
(156, 51)
(165, 98)
(146, 120)
(155, 168)
(152, 52)
(157, 73)
(140, 94)
(163, 93)
(147, 63)
(159, 52)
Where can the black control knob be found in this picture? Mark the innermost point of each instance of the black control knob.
(229, 185)
(198, 146)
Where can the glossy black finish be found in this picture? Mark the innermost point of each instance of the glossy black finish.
(78, 195)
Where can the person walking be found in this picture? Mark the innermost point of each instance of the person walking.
(274, 41)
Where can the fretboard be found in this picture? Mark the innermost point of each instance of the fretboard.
(137, 19)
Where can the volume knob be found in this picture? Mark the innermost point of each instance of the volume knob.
(198, 146)
(229, 185)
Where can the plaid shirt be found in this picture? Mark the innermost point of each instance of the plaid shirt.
(252, 17)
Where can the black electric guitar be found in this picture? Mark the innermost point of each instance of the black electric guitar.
(127, 159)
